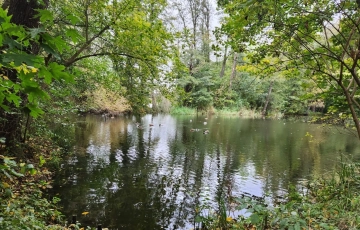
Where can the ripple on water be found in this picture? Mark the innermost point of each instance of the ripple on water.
(179, 169)
(250, 183)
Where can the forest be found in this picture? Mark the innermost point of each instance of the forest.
(262, 58)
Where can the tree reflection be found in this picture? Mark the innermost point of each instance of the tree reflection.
(155, 177)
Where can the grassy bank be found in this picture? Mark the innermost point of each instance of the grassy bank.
(325, 203)
(182, 111)
(242, 112)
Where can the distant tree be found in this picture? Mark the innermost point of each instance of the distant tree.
(319, 38)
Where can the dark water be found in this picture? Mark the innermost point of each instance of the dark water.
(153, 178)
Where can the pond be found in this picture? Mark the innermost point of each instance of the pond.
(153, 172)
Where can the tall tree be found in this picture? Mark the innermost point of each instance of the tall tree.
(23, 14)
(193, 26)
(205, 29)
(320, 38)
(52, 35)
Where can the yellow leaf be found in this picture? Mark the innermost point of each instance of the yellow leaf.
(84, 213)
(6, 185)
(5, 77)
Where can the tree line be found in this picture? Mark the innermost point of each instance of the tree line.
(275, 57)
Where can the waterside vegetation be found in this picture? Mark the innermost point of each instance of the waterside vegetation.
(330, 202)
(66, 58)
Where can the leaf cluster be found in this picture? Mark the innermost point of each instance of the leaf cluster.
(24, 73)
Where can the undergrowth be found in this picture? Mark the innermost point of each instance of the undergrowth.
(325, 203)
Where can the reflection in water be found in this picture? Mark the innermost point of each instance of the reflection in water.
(153, 178)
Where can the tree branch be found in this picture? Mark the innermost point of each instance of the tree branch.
(74, 58)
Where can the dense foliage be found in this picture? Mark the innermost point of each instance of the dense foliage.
(318, 41)
(272, 57)
(276, 58)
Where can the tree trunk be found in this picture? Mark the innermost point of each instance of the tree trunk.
(155, 107)
(224, 63)
(351, 107)
(206, 29)
(233, 72)
(23, 12)
(267, 100)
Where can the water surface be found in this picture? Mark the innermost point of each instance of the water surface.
(153, 177)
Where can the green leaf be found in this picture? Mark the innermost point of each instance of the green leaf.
(74, 35)
(297, 226)
(11, 42)
(27, 81)
(45, 15)
(254, 218)
(35, 111)
(14, 99)
(60, 44)
(46, 74)
(324, 225)
(19, 59)
(198, 219)
(6, 108)
(13, 172)
(35, 31)
(283, 223)
(274, 221)
(9, 162)
(58, 72)
(35, 93)
(3, 15)
(55, 42)
(32, 171)
(73, 19)
(8, 192)
(2, 167)
(7, 175)
(41, 161)
(50, 50)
